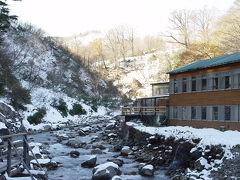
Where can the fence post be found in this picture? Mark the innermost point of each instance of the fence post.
(9, 156)
(26, 151)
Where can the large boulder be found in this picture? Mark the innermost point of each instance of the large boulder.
(147, 170)
(90, 163)
(125, 150)
(105, 171)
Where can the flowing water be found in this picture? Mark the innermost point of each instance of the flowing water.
(70, 168)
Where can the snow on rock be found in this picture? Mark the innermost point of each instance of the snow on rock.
(2, 125)
(207, 136)
(105, 171)
(41, 161)
(125, 150)
(147, 170)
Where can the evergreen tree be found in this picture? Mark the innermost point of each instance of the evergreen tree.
(5, 18)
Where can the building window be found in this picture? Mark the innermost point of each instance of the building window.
(239, 81)
(215, 83)
(184, 112)
(227, 82)
(204, 84)
(193, 112)
(227, 113)
(194, 83)
(175, 112)
(184, 85)
(175, 87)
(203, 112)
(215, 113)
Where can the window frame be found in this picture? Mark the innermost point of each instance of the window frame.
(175, 112)
(230, 113)
(203, 107)
(194, 79)
(184, 85)
(215, 113)
(202, 89)
(215, 83)
(175, 86)
(195, 109)
(229, 82)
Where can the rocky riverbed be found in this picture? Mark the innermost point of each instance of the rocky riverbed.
(92, 151)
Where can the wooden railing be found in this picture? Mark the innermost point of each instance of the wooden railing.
(10, 156)
(143, 110)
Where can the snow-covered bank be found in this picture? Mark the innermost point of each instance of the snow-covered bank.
(207, 136)
(200, 151)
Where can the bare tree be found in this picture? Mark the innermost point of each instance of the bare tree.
(111, 43)
(229, 29)
(181, 26)
(131, 36)
(204, 20)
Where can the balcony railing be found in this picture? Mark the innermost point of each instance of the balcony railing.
(143, 110)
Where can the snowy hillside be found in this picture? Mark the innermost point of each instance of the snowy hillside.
(83, 39)
(135, 75)
(60, 89)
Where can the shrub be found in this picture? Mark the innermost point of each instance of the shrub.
(77, 110)
(19, 97)
(37, 117)
(61, 106)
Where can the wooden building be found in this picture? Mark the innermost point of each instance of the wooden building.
(206, 93)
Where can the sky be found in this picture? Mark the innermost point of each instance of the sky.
(71, 17)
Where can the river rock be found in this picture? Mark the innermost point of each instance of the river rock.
(81, 133)
(74, 154)
(86, 129)
(96, 151)
(119, 162)
(99, 146)
(47, 163)
(90, 163)
(75, 144)
(201, 164)
(125, 150)
(111, 125)
(105, 171)
(147, 170)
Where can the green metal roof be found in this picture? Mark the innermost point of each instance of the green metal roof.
(208, 63)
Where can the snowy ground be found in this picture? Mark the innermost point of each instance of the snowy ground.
(208, 136)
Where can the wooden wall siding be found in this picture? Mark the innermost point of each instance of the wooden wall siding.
(205, 124)
(205, 71)
(226, 97)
